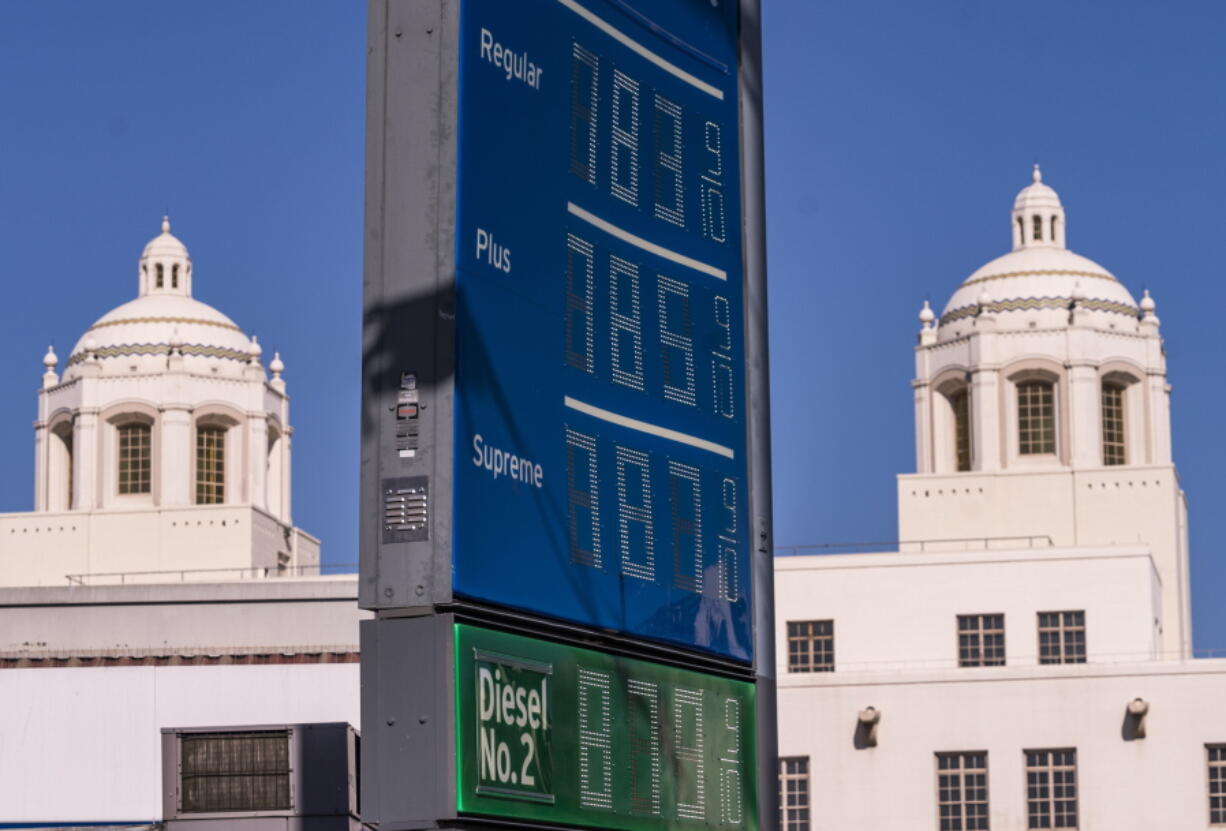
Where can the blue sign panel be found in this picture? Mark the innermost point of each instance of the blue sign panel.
(600, 470)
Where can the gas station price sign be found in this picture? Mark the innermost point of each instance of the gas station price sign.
(554, 733)
(599, 469)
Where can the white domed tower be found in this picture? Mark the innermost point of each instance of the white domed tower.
(164, 446)
(1042, 411)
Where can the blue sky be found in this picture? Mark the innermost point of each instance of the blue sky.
(897, 136)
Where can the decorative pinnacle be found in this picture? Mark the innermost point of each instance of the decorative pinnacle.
(166, 223)
(50, 359)
(926, 314)
(1037, 175)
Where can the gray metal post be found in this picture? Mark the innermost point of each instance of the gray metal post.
(753, 177)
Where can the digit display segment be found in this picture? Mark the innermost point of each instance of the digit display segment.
(600, 430)
(553, 733)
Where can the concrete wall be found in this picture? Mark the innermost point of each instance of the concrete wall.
(899, 610)
(42, 548)
(1159, 782)
(84, 745)
(137, 619)
(1092, 507)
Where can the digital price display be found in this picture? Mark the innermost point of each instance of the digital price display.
(553, 733)
(600, 430)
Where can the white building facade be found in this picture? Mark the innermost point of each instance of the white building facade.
(1024, 659)
(163, 445)
(160, 583)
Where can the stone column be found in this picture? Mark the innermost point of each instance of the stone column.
(985, 419)
(1084, 421)
(85, 460)
(175, 458)
(257, 431)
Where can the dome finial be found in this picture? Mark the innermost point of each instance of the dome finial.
(50, 359)
(165, 223)
(1036, 174)
(277, 366)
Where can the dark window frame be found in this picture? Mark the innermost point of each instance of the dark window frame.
(810, 645)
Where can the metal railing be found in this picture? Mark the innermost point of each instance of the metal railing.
(892, 546)
(188, 575)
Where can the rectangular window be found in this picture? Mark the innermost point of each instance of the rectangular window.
(1113, 425)
(210, 465)
(1217, 783)
(810, 646)
(1051, 788)
(246, 771)
(1062, 637)
(962, 791)
(981, 640)
(794, 793)
(1036, 418)
(134, 458)
(960, 403)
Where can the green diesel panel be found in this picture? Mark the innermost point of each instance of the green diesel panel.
(555, 733)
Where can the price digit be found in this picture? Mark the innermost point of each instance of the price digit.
(711, 186)
(583, 499)
(643, 700)
(626, 323)
(595, 740)
(624, 172)
(670, 195)
(634, 514)
(686, 498)
(584, 82)
(688, 748)
(676, 340)
(580, 291)
(729, 563)
(731, 774)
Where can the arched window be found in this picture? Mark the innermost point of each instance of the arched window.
(1038, 227)
(1036, 418)
(60, 468)
(174, 276)
(210, 465)
(1114, 441)
(135, 458)
(159, 270)
(1021, 231)
(959, 403)
(1053, 228)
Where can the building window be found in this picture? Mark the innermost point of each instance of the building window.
(794, 793)
(981, 640)
(810, 646)
(174, 276)
(1113, 425)
(210, 465)
(134, 458)
(962, 791)
(959, 402)
(1217, 783)
(159, 271)
(1051, 788)
(1038, 227)
(1062, 637)
(1036, 418)
(246, 771)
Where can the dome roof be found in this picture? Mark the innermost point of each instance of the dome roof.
(1036, 194)
(165, 244)
(1040, 279)
(165, 318)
